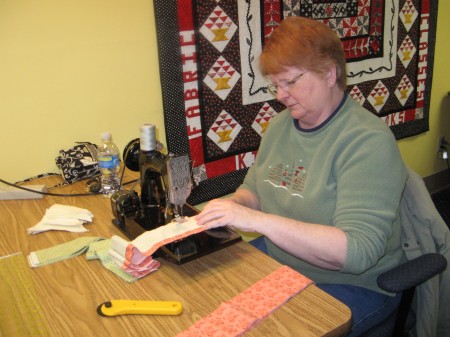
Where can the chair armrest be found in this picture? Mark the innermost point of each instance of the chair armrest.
(412, 273)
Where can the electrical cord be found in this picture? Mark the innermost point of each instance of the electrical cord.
(60, 194)
(49, 193)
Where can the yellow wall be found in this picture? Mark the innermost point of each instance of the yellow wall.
(72, 69)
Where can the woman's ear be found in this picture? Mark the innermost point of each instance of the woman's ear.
(331, 76)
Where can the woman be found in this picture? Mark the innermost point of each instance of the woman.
(325, 188)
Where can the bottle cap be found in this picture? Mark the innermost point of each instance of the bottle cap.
(105, 136)
(148, 137)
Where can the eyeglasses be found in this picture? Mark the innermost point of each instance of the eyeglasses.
(285, 85)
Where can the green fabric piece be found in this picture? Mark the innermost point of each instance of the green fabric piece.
(96, 248)
(63, 251)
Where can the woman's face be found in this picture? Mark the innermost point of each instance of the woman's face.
(306, 94)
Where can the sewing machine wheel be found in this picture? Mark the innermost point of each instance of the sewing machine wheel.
(131, 155)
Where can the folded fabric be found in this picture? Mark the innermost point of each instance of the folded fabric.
(99, 250)
(129, 260)
(146, 266)
(238, 315)
(64, 218)
(61, 252)
(96, 248)
(135, 257)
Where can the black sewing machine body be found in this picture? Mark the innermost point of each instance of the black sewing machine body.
(134, 215)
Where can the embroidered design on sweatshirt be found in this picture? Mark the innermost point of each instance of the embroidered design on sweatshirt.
(291, 177)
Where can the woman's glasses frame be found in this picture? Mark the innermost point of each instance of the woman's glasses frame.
(285, 85)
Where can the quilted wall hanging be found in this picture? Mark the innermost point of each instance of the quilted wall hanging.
(216, 106)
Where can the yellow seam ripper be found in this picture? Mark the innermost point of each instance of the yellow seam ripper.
(130, 307)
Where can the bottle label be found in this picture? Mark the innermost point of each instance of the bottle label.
(108, 162)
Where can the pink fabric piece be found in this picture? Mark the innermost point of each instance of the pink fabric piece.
(142, 269)
(238, 315)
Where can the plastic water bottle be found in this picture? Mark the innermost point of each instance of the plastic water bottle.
(109, 164)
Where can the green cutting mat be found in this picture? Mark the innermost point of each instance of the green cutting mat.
(20, 312)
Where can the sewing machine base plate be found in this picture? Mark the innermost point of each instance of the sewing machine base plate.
(187, 249)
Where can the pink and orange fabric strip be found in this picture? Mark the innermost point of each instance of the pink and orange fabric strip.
(135, 257)
(236, 316)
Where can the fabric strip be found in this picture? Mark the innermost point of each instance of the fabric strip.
(61, 252)
(238, 315)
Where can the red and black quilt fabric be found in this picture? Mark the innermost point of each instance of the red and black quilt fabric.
(216, 105)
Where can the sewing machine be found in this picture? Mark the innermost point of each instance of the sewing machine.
(165, 186)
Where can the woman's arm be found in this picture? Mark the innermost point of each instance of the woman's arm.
(323, 246)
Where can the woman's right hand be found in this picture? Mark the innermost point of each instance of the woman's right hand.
(227, 212)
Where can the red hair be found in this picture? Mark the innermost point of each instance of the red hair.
(306, 44)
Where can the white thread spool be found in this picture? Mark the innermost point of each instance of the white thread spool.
(148, 137)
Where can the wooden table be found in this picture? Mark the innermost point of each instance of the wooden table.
(70, 291)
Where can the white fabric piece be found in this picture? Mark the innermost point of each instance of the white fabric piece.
(150, 238)
(119, 245)
(58, 211)
(116, 257)
(33, 259)
(63, 218)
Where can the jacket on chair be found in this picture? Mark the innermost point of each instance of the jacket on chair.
(424, 231)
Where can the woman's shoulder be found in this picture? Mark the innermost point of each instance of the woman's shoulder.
(360, 118)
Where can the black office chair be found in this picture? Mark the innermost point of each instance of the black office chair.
(404, 279)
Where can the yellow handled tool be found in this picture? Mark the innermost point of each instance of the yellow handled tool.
(129, 307)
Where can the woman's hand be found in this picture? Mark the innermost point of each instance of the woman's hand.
(227, 212)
